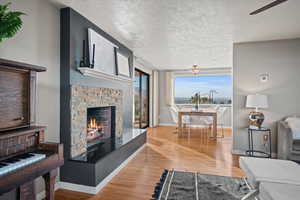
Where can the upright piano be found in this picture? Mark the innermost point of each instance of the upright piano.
(24, 154)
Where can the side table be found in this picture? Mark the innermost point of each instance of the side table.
(255, 153)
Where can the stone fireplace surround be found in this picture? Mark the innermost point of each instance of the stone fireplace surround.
(83, 97)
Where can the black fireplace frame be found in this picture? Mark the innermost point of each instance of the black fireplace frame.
(112, 122)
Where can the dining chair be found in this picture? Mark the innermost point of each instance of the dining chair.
(203, 121)
(220, 115)
(185, 119)
(221, 119)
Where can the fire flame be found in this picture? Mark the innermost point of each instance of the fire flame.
(93, 124)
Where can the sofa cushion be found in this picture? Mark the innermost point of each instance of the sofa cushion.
(294, 124)
(278, 191)
(296, 145)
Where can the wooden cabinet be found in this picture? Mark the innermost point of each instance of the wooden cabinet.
(17, 94)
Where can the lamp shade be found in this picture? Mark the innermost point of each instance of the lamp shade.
(257, 101)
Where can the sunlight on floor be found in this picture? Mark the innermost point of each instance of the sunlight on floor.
(165, 150)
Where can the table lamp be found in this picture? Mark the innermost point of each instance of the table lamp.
(256, 101)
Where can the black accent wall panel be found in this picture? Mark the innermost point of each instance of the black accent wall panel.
(73, 32)
(78, 33)
(74, 29)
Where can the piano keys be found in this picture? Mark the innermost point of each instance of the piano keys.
(19, 161)
(26, 157)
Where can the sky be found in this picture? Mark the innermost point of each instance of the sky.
(188, 86)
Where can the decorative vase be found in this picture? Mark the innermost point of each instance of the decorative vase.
(256, 119)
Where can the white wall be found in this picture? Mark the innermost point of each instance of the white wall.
(281, 60)
(39, 43)
(164, 111)
(155, 99)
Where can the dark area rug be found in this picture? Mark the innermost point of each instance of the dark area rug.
(176, 185)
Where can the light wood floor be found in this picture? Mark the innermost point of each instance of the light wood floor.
(164, 150)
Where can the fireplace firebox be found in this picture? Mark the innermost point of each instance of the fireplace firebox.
(100, 124)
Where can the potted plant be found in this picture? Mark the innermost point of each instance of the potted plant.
(10, 22)
(196, 99)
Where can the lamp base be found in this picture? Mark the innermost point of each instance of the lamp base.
(256, 119)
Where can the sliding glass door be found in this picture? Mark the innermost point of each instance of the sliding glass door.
(141, 99)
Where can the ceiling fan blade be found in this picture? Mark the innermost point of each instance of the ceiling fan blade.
(268, 6)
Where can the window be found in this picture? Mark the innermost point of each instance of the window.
(204, 89)
(141, 99)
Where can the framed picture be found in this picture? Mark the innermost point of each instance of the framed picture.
(123, 64)
(101, 53)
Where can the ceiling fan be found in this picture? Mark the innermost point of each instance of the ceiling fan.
(268, 6)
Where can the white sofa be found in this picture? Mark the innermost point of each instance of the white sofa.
(288, 141)
(278, 191)
(273, 179)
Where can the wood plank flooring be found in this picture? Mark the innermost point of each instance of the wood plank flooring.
(164, 150)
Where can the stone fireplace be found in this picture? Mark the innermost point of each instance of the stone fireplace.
(96, 116)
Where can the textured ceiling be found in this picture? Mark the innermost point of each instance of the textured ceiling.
(175, 34)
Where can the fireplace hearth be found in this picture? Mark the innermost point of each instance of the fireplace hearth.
(100, 124)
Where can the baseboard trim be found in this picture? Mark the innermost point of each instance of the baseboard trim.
(242, 153)
(203, 126)
(238, 152)
(166, 124)
(193, 126)
(95, 190)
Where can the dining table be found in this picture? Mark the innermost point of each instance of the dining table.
(206, 112)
